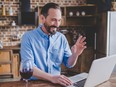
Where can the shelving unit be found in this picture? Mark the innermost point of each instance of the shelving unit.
(82, 24)
(86, 15)
(6, 63)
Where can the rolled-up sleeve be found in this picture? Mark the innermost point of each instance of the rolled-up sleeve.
(67, 53)
(26, 49)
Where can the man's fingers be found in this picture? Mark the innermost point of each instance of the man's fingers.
(64, 80)
(67, 79)
(83, 44)
(80, 39)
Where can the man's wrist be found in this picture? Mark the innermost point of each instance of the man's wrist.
(50, 78)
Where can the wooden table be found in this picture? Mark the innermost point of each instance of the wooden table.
(110, 83)
(40, 83)
(36, 83)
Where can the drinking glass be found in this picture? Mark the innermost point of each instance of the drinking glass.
(26, 70)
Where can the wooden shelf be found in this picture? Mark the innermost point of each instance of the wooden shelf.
(86, 5)
(5, 25)
(8, 15)
(81, 16)
(2, 18)
(80, 26)
(9, 62)
(6, 74)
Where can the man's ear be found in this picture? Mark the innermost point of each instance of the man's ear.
(42, 19)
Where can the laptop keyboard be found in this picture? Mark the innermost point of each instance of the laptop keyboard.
(79, 83)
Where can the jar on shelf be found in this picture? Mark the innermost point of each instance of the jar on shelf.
(83, 13)
(13, 23)
(70, 13)
(77, 13)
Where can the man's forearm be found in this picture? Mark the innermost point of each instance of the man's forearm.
(41, 74)
(72, 60)
(58, 79)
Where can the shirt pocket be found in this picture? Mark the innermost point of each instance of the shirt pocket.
(57, 56)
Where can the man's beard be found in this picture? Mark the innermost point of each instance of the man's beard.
(51, 29)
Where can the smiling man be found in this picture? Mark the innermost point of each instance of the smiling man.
(48, 49)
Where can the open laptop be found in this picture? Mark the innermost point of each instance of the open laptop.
(100, 71)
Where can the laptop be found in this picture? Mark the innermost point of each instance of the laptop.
(100, 71)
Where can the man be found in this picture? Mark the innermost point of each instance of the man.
(47, 48)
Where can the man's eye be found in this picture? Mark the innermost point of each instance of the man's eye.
(59, 20)
(53, 19)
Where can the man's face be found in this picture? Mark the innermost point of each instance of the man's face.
(53, 21)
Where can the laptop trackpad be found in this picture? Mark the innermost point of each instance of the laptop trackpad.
(78, 77)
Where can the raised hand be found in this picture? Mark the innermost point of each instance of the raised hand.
(79, 46)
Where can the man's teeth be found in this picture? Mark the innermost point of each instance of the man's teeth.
(54, 29)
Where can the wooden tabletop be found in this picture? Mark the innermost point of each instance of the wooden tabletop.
(37, 83)
(40, 83)
(110, 83)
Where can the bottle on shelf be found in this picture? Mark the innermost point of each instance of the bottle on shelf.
(3, 9)
(10, 10)
(36, 8)
(1, 44)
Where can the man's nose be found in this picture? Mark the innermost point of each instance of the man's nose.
(57, 23)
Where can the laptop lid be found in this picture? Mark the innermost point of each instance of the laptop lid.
(100, 71)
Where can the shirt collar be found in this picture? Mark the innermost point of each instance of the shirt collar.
(41, 32)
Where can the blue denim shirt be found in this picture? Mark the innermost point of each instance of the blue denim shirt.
(46, 52)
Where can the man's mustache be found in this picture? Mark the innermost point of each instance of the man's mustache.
(54, 27)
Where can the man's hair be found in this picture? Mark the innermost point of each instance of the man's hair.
(46, 8)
